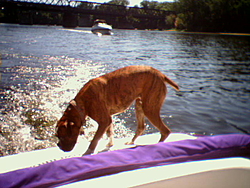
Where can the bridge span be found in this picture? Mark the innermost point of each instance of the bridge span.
(74, 12)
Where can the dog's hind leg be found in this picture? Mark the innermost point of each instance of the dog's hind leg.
(155, 119)
(152, 112)
(140, 121)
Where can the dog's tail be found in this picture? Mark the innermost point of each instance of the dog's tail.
(172, 83)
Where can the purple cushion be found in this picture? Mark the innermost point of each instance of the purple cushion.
(81, 168)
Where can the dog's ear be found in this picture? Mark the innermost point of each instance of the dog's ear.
(72, 108)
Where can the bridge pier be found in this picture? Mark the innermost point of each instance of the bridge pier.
(70, 20)
(85, 20)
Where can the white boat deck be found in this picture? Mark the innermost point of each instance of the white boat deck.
(227, 172)
(38, 157)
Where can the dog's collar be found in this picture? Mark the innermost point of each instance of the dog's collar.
(81, 114)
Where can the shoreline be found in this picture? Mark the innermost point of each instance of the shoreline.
(208, 33)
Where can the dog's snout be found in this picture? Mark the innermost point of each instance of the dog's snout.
(65, 148)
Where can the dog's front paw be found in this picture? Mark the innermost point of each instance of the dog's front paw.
(88, 152)
(104, 150)
(110, 145)
(130, 143)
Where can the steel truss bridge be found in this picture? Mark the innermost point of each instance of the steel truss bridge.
(72, 7)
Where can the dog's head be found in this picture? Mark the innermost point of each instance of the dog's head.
(68, 127)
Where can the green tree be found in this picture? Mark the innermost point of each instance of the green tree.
(119, 2)
(147, 4)
(167, 6)
(214, 15)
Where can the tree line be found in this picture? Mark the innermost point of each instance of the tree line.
(189, 15)
(213, 15)
(202, 15)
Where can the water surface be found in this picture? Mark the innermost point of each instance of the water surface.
(43, 68)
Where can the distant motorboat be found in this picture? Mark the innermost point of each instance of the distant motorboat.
(100, 27)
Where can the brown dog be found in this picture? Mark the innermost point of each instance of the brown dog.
(113, 93)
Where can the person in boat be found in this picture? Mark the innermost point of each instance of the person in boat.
(97, 21)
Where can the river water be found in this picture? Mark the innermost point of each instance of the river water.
(43, 67)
